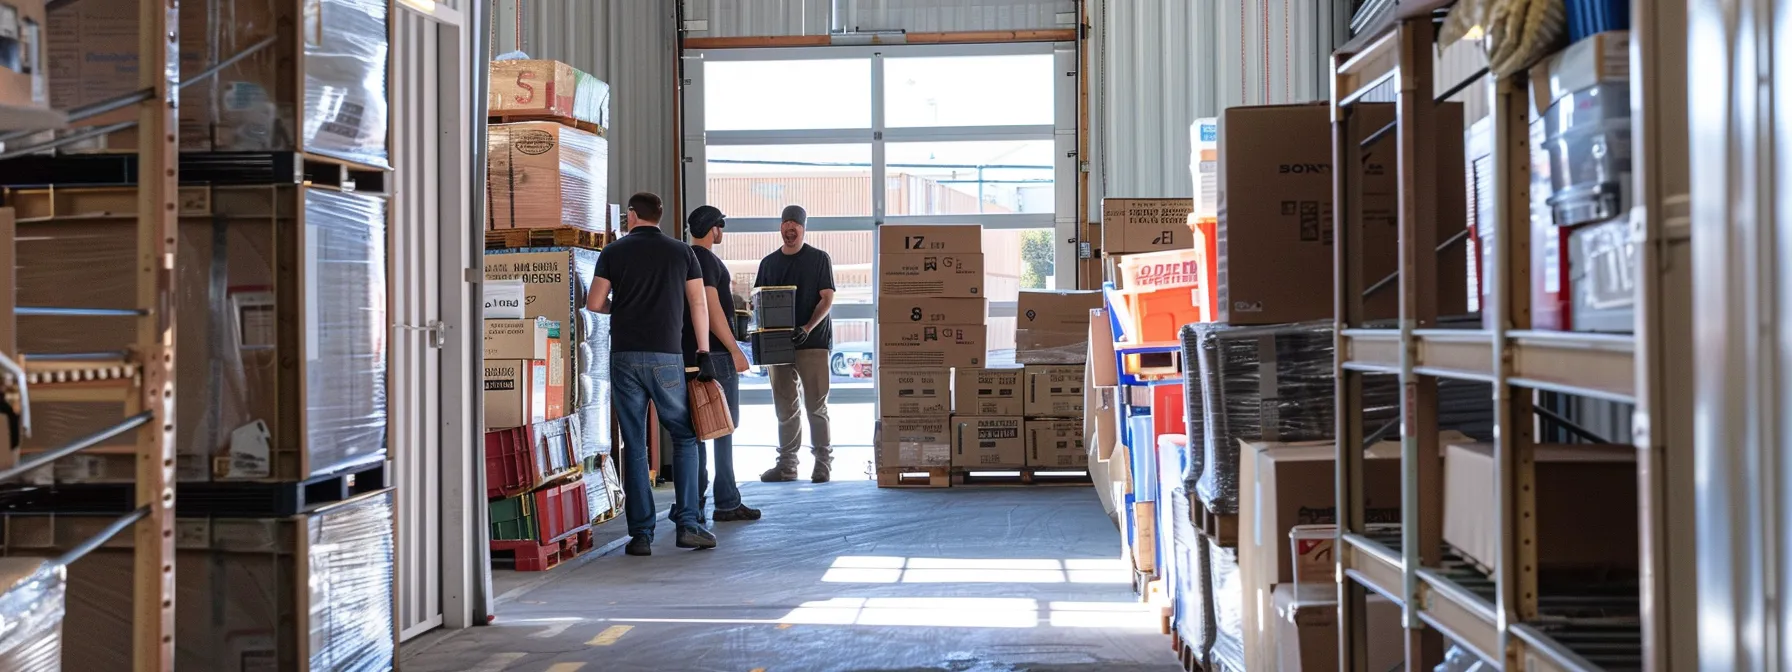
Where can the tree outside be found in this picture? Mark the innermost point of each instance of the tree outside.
(1037, 256)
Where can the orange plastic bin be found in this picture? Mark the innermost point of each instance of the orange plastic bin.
(1158, 316)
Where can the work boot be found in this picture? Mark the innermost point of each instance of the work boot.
(694, 536)
(640, 545)
(779, 474)
(736, 514)
(824, 468)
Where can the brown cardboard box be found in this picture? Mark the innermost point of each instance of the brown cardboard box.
(92, 57)
(542, 89)
(1056, 443)
(542, 175)
(23, 83)
(554, 285)
(914, 442)
(914, 392)
(932, 275)
(988, 391)
(1052, 327)
(1306, 625)
(926, 346)
(1145, 224)
(517, 339)
(988, 442)
(930, 239)
(899, 309)
(1104, 369)
(1275, 227)
(516, 392)
(1101, 420)
(1144, 542)
(1053, 391)
(1586, 505)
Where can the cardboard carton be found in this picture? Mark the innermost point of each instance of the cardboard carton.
(899, 309)
(987, 391)
(1104, 367)
(23, 79)
(914, 392)
(930, 239)
(1052, 327)
(1145, 224)
(988, 442)
(926, 346)
(1056, 443)
(1144, 538)
(923, 441)
(533, 88)
(930, 275)
(1101, 420)
(1053, 391)
(516, 392)
(554, 283)
(1586, 505)
(517, 339)
(541, 174)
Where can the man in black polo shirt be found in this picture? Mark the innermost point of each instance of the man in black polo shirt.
(727, 360)
(812, 273)
(650, 283)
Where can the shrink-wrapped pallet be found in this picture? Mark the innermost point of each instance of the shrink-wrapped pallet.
(541, 175)
(31, 612)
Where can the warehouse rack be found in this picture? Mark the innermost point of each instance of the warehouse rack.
(1507, 619)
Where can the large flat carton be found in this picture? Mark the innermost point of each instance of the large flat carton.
(1056, 444)
(922, 441)
(1052, 327)
(516, 392)
(518, 339)
(930, 275)
(540, 175)
(930, 239)
(926, 346)
(1131, 225)
(1586, 505)
(548, 90)
(914, 392)
(900, 309)
(988, 391)
(1275, 226)
(988, 442)
(1053, 391)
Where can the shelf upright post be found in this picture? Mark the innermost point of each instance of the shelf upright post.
(1347, 269)
(158, 72)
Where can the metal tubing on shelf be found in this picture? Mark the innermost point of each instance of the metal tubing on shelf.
(68, 139)
(92, 543)
(1391, 277)
(1347, 269)
(42, 459)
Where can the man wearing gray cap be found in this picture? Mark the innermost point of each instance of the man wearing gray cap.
(812, 273)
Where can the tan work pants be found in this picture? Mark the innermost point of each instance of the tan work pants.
(811, 371)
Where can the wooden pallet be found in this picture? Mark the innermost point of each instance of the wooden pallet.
(501, 239)
(1222, 529)
(607, 516)
(1023, 476)
(512, 118)
(535, 556)
(914, 477)
(1188, 654)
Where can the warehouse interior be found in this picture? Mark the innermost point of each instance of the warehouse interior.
(1154, 335)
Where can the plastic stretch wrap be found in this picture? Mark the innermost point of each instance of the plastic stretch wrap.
(1227, 585)
(1045, 346)
(535, 88)
(346, 47)
(1270, 383)
(344, 299)
(1193, 406)
(544, 175)
(31, 614)
(1193, 616)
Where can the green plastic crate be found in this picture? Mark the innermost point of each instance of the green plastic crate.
(511, 508)
(514, 530)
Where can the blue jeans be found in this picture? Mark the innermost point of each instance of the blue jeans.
(727, 489)
(637, 378)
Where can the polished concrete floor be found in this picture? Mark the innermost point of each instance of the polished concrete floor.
(841, 576)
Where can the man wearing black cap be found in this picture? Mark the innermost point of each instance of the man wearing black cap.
(812, 273)
(728, 362)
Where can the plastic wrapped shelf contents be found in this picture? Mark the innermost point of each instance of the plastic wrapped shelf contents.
(1270, 383)
(544, 175)
(1194, 409)
(345, 114)
(31, 610)
(1227, 586)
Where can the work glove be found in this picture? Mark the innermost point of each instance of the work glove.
(799, 335)
(706, 367)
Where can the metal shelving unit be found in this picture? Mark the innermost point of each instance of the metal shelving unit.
(142, 378)
(1506, 618)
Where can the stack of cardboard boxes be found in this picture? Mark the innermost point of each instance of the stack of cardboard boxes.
(1051, 344)
(930, 322)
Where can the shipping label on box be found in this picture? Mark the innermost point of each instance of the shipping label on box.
(1053, 391)
(941, 275)
(987, 392)
(914, 442)
(1145, 224)
(516, 393)
(914, 392)
(1056, 443)
(926, 346)
(988, 442)
(517, 339)
(899, 309)
(504, 300)
(930, 238)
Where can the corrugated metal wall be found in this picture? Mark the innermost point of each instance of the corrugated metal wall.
(764, 18)
(632, 44)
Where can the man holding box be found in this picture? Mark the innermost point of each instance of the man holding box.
(649, 283)
(811, 272)
(705, 225)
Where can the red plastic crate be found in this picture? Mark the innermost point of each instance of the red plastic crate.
(562, 510)
(519, 459)
(1167, 410)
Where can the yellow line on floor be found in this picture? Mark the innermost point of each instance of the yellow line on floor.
(610, 635)
(566, 667)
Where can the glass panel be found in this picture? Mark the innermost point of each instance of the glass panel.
(759, 180)
(968, 91)
(969, 178)
(787, 95)
(851, 254)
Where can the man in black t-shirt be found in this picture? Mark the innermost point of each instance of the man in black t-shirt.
(650, 283)
(812, 273)
(705, 225)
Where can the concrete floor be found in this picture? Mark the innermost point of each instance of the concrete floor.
(840, 576)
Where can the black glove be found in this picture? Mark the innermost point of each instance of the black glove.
(706, 367)
(799, 335)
